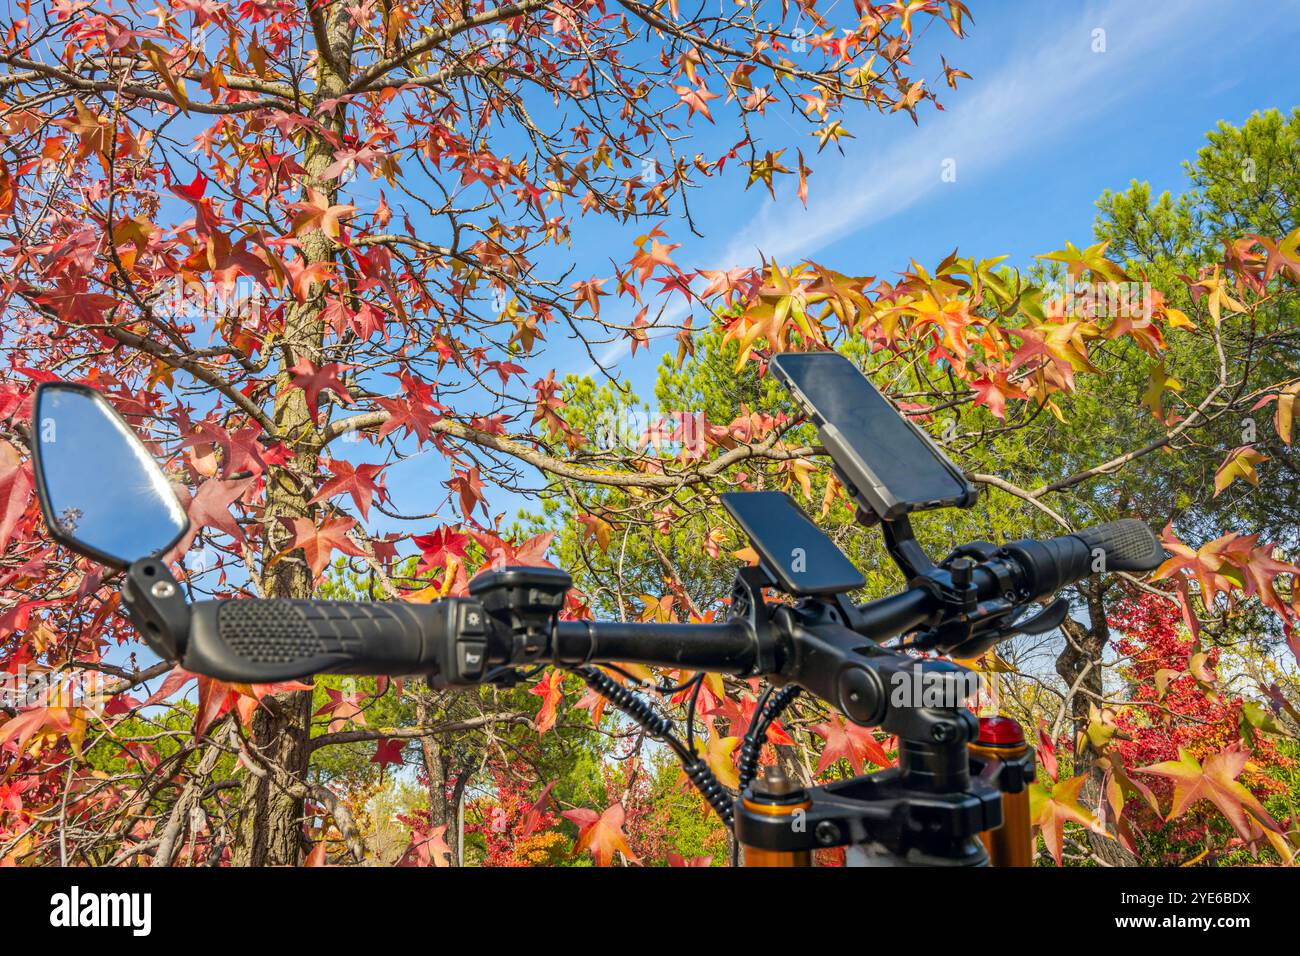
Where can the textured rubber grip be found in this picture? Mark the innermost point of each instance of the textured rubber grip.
(1047, 566)
(1129, 545)
(259, 641)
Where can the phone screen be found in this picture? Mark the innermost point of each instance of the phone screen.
(793, 549)
(860, 423)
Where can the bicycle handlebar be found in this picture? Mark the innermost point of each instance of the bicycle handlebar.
(455, 641)
(726, 648)
(263, 641)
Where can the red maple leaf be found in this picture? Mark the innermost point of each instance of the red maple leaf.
(218, 698)
(357, 481)
(601, 833)
(313, 381)
(428, 848)
(211, 505)
(388, 750)
(1216, 781)
(342, 708)
(411, 416)
(502, 553)
(469, 486)
(549, 690)
(15, 490)
(533, 818)
(318, 543)
(850, 742)
(438, 547)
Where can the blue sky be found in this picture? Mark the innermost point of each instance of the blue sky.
(1043, 128)
(1046, 124)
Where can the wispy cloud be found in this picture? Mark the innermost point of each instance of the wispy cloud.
(1052, 81)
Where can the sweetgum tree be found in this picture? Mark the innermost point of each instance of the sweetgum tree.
(280, 226)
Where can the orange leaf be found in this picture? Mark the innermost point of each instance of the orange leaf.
(1216, 781)
(1050, 810)
(601, 834)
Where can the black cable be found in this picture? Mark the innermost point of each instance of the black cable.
(698, 680)
(662, 687)
(524, 675)
(657, 725)
(674, 688)
(770, 707)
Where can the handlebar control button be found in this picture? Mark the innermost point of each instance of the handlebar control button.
(470, 658)
(471, 620)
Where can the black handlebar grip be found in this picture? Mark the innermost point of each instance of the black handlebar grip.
(1048, 566)
(260, 641)
(1129, 545)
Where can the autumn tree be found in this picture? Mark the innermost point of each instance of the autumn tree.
(289, 228)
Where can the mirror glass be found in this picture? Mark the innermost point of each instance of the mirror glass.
(101, 491)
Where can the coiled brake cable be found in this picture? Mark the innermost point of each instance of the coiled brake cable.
(770, 706)
(661, 727)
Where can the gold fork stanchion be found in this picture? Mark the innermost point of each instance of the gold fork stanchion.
(773, 794)
(1012, 844)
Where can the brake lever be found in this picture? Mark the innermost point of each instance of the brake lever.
(1048, 619)
(980, 641)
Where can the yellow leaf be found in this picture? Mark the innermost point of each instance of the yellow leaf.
(1240, 463)
(639, 671)
(1285, 414)
(1050, 810)
(717, 754)
(1159, 382)
(987, 663)
(158, 59)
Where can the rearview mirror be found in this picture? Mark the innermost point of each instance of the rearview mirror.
(101, 492)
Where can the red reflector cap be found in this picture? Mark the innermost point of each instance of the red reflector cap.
(1000, 732)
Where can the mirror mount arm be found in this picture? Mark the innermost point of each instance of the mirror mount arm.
(157, 607)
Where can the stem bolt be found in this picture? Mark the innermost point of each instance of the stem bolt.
(774, 783)
(827, 832)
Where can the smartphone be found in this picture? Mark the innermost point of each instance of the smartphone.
(793, 550)
(887, 464)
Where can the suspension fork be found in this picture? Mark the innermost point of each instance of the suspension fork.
(1002, 747)
(774, 796)
(774, 811)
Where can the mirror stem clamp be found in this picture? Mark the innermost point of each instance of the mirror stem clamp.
(157, 607)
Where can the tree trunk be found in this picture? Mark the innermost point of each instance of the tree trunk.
(1082, 655)
(270, 831)
(442, 811)
(1079, 666)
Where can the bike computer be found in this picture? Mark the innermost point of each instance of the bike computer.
(888, 465)
(794, 551)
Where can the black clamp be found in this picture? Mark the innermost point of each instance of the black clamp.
(880, 808)
(523, 603)
(157, 607)
(747, 605)
(1012, 774)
